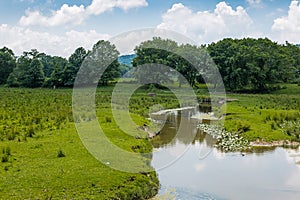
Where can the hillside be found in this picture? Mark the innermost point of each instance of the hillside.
(126, 59)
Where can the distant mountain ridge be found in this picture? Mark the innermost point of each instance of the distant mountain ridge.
(126, 59)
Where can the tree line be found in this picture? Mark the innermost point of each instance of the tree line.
(34, 69)
(244, 64)
(255, 64)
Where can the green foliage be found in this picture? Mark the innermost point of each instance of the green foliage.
(252, 64)
(34, 69)
(291, 128)
(150, 55)
(226, 141)
(60, 154)
(77, 58)
(28, 72)
(108, 119)
(246, 65)
(34, 75)
(7, 63)
(126, 71)
(56, 79)
(187, 59)
(6, 153)
(71, 70)
(102, 60)
(48, 64)
(262, 116)
(25, 112)
(17, 77)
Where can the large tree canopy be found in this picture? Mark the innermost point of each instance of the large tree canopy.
(189, 60)
(252, 64)
(101, 61)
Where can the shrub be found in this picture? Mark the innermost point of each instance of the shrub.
(108, 119)
(243, 126)
(273, 126)
(30, 131)
(60, 154)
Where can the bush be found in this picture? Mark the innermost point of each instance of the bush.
(291, 128)
(5, 154)
(273, 126)
(60, 154)
(108, 119)
(4, 158)
(242, 126)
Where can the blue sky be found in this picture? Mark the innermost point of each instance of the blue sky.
(58, 27)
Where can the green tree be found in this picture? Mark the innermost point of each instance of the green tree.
(34, 76)
(77, 57)
(191, 61)
(7, 63)
(101, 61)
(56, 79)
(253, 64)
(150, 55)
(17, 77)
(68, 75)
(75, 62)
(48, 64)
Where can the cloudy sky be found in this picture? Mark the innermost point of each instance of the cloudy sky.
(58, 27)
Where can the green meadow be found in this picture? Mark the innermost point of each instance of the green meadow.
(263, 116)
(42, 156)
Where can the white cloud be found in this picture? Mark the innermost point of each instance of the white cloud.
(66, 14)
(75, 15)
(21, 39)
(126, 42)
(287, 28)
(254, 3)
(30, 1)
(208, 26)
(99, 6)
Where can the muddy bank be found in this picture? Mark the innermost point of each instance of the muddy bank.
(281, 143)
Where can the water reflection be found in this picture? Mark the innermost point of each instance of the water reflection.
(265, 173)
(183, 131)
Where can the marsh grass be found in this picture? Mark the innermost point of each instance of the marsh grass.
(260, 117)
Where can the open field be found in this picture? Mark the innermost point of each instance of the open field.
(42, 156)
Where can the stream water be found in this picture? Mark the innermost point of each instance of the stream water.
(189, 167)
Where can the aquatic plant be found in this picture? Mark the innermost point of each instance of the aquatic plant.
(291, 128)
(226, 141)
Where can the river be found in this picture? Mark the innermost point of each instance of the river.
(193, 169)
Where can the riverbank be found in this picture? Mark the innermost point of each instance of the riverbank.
(280, 143)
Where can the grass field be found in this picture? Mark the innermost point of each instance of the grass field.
(260, 116)
(42, 156)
